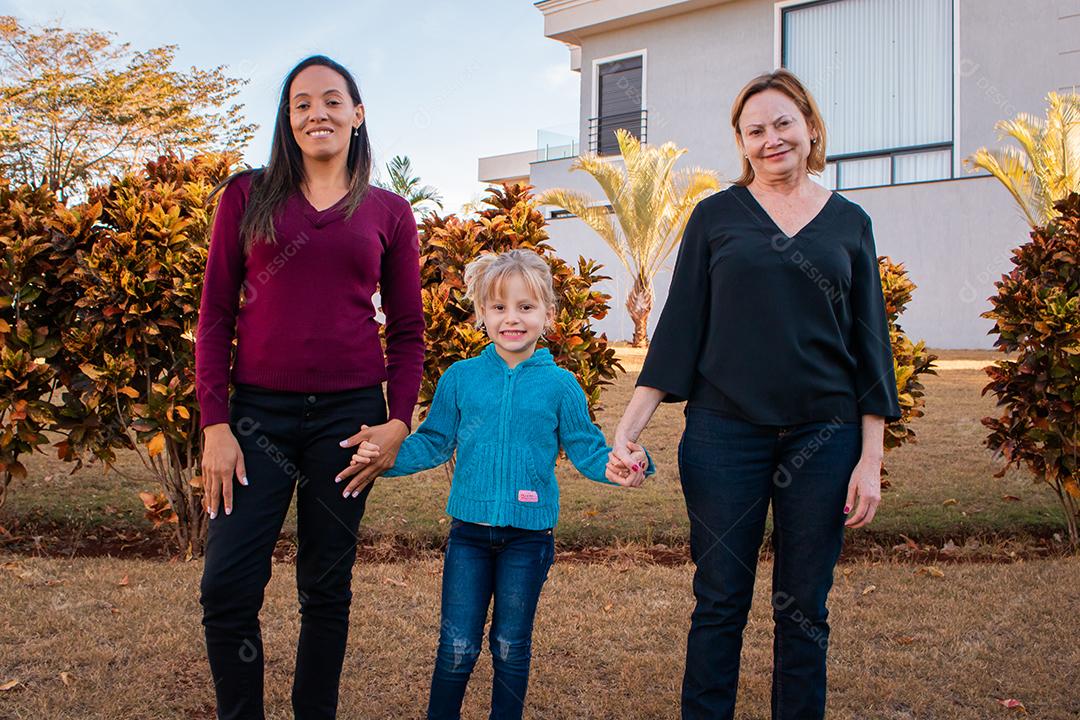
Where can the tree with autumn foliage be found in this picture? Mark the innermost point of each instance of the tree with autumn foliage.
(76, 107)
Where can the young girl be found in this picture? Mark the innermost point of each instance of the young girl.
(506, 412)
(305, 240)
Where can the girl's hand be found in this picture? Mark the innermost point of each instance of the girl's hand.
(866, 485)
(632, 475)
(621, 450)
(221, 461)
(365, 453)
(388, 438)
(616, 471)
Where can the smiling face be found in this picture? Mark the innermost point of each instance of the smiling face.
(774, 135)
(322, 115)
(515, 318)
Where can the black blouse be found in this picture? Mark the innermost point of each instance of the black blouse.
(771, 329)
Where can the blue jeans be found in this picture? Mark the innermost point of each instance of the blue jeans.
(290, 442)
(731, 470)
(481, 562)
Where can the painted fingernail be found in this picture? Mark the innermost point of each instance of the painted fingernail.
(636, 467)
(337, 479)
(228, 511)
(847, 509)
(243, 481)
(356, 494)
(343, 443)
(346, 493)
(213, 514)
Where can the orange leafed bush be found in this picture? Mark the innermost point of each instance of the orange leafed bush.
(509, 221)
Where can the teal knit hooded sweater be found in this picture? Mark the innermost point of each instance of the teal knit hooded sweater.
(507, 425)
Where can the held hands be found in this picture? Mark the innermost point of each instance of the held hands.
(633, 475)
(378, 445)
(364, 454)
(627, 463)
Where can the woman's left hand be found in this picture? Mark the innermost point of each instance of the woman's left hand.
(865, 485)
(388, 437)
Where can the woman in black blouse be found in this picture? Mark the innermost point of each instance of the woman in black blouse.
(775, 334)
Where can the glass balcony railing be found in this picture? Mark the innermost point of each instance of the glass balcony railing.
(555, 143)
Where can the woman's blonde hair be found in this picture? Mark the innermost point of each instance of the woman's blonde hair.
(786, 82)
(486, 274)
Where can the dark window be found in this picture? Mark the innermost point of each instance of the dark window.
(618, 104)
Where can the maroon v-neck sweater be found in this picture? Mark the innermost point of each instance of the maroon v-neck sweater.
(307, 321)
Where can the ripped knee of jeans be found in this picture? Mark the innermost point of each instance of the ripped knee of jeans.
(509, 650)
(464, 655)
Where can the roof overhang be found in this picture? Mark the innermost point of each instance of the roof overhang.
(570, 20)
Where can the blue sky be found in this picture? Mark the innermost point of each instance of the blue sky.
(444, 82)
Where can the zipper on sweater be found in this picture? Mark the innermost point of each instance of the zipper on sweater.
(504, 427)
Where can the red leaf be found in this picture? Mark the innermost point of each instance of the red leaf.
(1012, 704)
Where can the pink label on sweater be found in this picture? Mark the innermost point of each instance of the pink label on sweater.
(528, 496)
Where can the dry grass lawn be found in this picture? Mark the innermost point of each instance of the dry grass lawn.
(103, 638)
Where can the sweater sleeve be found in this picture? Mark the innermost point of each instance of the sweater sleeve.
(434, 441)
(399, 287)
(582, 439)
(671, 363)
(875, 378)
(219, 306)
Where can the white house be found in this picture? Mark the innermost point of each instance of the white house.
(908, 88)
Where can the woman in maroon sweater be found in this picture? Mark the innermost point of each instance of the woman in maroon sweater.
(306, 241)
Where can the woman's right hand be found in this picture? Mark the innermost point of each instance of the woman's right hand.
(635, 417)
(221, 461)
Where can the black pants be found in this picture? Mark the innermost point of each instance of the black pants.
(288, 440)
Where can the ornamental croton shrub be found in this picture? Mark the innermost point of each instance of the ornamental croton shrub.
(1036, 315)
(508, 221)
(133, 340)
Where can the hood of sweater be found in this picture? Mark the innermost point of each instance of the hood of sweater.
(542, 356)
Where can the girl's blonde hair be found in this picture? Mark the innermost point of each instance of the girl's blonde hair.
(485, 275)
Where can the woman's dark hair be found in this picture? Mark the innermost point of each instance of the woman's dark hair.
(272, 185)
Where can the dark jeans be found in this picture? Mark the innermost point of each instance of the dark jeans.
(510, 564)
(288, 440)
(731, 470)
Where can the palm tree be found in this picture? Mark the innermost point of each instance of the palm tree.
(1047, 167)
(407, 186)
(650, 204)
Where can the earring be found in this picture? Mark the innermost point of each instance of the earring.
(356, 132)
